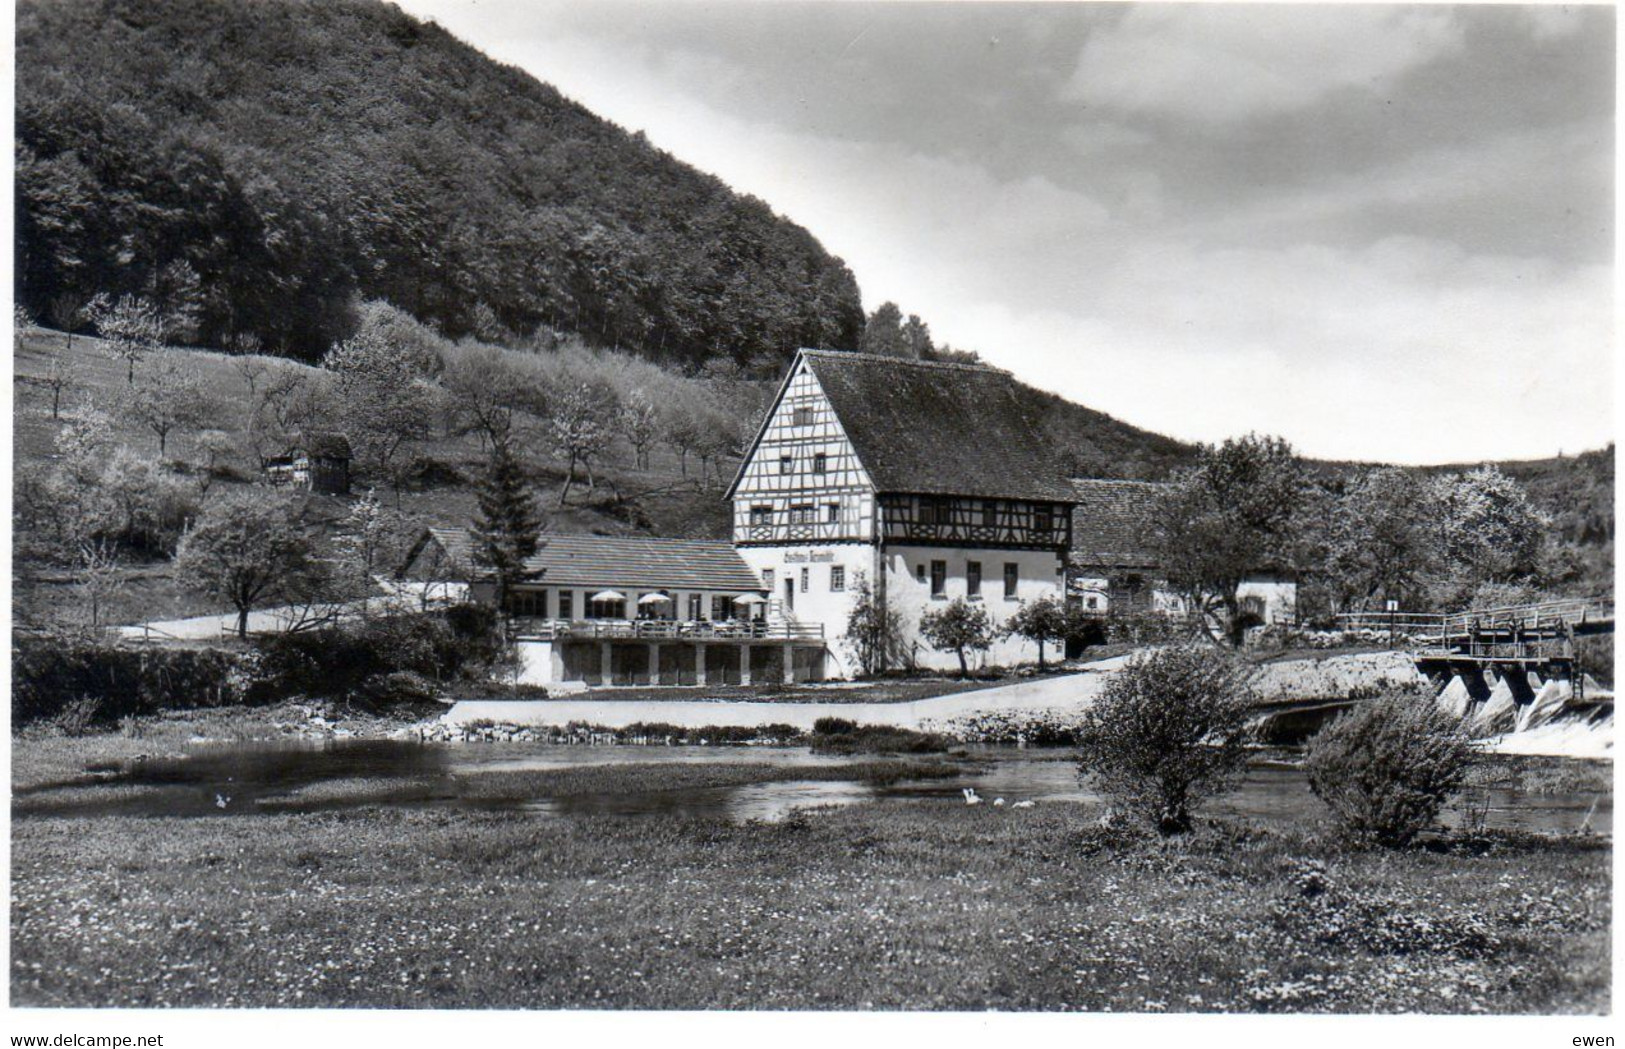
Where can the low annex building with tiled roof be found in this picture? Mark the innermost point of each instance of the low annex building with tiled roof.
(567, 571)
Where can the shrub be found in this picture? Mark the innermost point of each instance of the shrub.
(834, 727)
(877, 739)
(1386, 768)
(354, 658)
(1166, 733)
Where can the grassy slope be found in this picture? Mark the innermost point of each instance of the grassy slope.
(689, 511)
(930, 905)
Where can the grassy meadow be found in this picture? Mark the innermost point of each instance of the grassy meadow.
(925, 905)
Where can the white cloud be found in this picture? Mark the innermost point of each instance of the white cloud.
(1410, 349)
(1225, 62)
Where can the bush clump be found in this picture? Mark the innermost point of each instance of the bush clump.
(87, 680)
(363, 659)
(1166, 733)
(1388, 767)
(834, 727)
(875, 739)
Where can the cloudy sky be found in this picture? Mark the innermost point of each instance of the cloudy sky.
(1382, 232)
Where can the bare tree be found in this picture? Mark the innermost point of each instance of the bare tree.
(58, 377)
(100, 577)
(252, 368)
(640, 423)
(67, 310)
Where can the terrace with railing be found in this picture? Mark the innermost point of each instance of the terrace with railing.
(694, 630)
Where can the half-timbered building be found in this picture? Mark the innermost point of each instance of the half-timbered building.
(930, 480)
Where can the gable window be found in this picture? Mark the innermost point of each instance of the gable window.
(801, 417)
(566, 604)
(990, 513)
(1012, 576)
(787, 464)
(939, 578)
(832, 512)
(820, 463)
(761, 515)
(973, 579)
(837, 577)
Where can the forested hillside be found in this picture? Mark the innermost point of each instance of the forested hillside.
(255, 167)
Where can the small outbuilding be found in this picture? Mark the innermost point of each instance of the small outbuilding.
(318, 460)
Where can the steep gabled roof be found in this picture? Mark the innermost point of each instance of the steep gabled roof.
(939, 428)
(613, 561)
(1113, 521)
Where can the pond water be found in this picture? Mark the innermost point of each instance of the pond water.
(255, 778)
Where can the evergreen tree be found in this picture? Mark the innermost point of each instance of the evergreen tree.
(507, 526)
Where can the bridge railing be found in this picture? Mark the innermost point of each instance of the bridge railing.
(1568, 612)
(1409, 623)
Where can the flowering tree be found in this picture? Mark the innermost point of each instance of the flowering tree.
(130, 328)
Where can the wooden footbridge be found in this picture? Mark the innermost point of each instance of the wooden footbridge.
(1536, 638)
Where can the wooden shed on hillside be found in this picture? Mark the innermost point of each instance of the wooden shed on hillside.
(318, 460)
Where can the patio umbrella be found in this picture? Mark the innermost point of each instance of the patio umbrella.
(750, 599)
(654, 599)
(609, 595)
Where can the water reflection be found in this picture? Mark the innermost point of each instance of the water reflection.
(254, 778)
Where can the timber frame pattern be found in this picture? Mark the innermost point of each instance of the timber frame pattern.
(803, 482)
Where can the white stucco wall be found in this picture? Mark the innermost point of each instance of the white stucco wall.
(818, 603)
(1280, 598)
(1039, 574)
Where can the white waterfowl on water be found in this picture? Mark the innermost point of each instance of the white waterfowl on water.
(970, 796)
